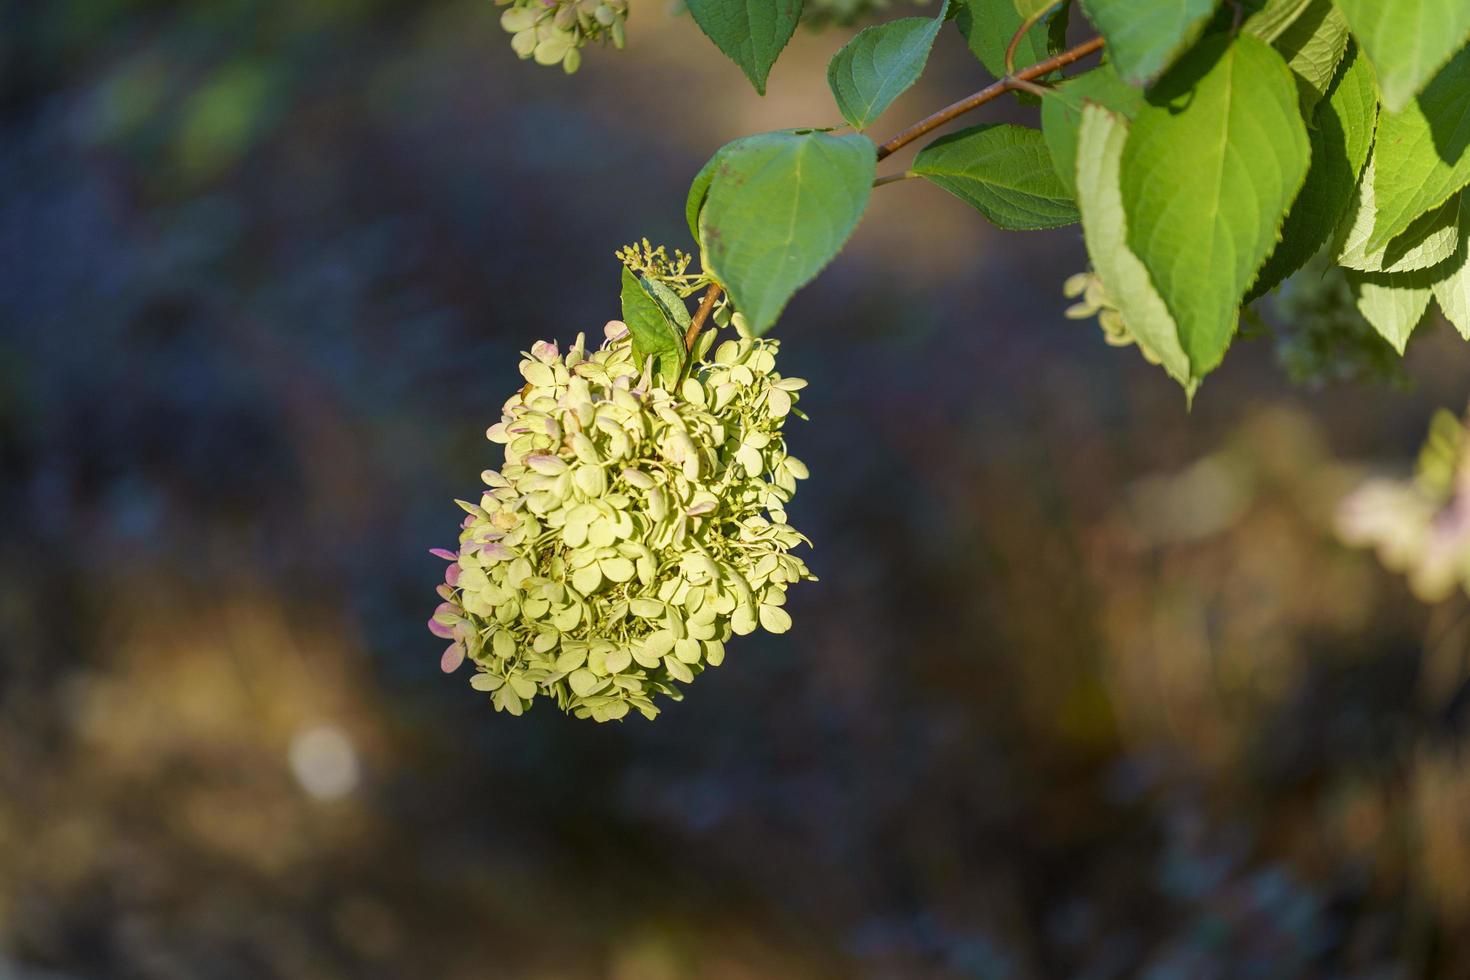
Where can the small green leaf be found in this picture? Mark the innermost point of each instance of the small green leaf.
(1100, 138)
(1452, 290)
(779, 207)
(1145, 37)
(1313, 45)
(989, 25)
(1393, 302)
(880, 64)
(1273, 17)
(1061, 113)
(1407, 41)
(1002, 171)
(673, 307)
(650, 309)
(1422, 151)
(750, 32)
(1430, 240)
(1341, 136)
(1211, 165)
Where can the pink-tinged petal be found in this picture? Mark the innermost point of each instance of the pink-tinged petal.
(451, 575)
(453, 657)
(546, 464)
(544, 351)
(496, 551)
(445, 591)
(440, 630)
(444, 553)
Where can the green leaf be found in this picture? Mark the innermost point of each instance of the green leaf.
(670, 303)
(1002, 171)
(1421, 152)
(1027, 8)
(880, 64)
(1407, 41)
(1341, 135)
(1313, 45)
(1273, 17)
(1430, 240)
(779, 207)
(750, 32)
(1100, 139)
(699, 190)
(1393, 302)
(1145, 37)
(989, 25)
(1061, 113)
(1452, 290)
(651, 311)
(1211, 165)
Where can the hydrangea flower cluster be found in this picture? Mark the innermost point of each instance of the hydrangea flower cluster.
(555, 31)
(634, 528)
(1420, 527)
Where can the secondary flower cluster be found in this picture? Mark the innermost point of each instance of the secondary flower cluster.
(1420, 527)
(1092, 300)
(554, 31)
(634, 527)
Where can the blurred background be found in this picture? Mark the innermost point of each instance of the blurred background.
(1087, 689)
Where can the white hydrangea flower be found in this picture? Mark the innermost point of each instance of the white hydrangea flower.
(1420, 527)
(633, 529)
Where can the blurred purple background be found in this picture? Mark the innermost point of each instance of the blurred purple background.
(1087, 689)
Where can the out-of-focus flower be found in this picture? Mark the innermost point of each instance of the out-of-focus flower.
(635, 526)
(1420, 527)
(555, 31)
(1321, 338)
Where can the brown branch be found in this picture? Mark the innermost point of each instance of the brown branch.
(1035, 88)
(989, 93)
(706, 306)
